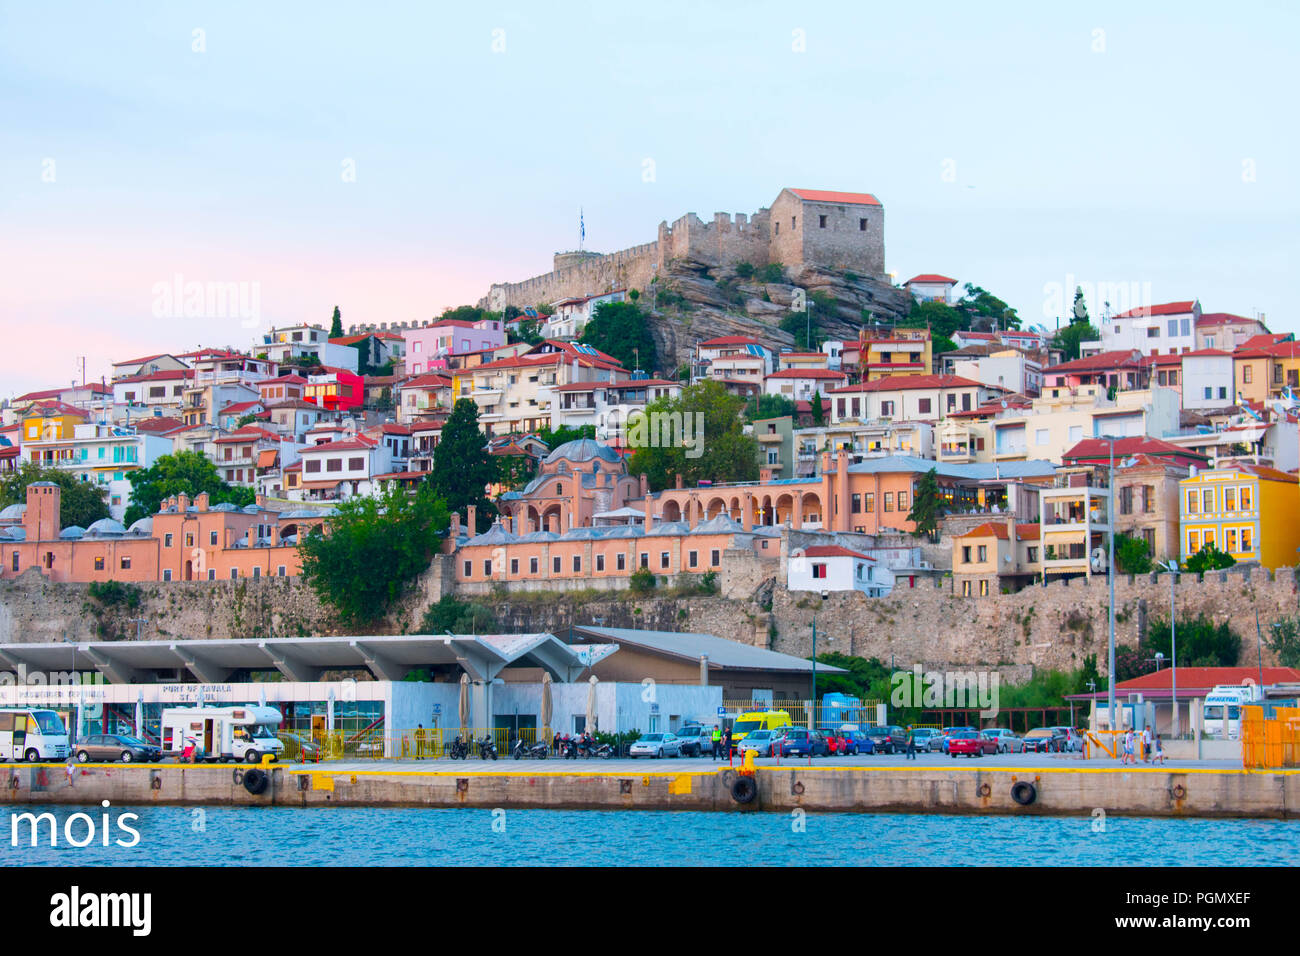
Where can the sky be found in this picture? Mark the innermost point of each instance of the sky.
(396, 159)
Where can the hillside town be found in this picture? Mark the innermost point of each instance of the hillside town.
(987, 455)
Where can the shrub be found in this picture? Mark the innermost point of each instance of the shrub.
(642, 581)
(773, 272)
(745, 270)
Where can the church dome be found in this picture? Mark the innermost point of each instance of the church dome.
(582, 449)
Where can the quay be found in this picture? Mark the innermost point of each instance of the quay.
(1011, 784)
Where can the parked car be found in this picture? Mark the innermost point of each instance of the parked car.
(971, 743)
(1040, 740)
(818, 744)
(924, 737)
(1068, 739)
(105, 747)
(887, 738)
(1008, 742)
(300, 748)
(694, 740)
(949, 731)
(858, 742)
(656, 745)
(835, 740)
(764, 743)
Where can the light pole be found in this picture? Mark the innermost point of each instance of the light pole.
(1110, 576)
(813, 706)
(1172, 567)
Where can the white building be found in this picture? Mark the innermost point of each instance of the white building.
(930, 287)
(295, 341)
(1165, 329)
(572, 315)
(1207, 379)
(800, 384)
(830, 567)
(1010, 369)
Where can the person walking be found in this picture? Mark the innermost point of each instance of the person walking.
(1158, 751)
(717, 742)
(1128, 746)
(911, 743)
(1146, 743)
(726, 743)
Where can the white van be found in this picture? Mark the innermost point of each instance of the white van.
(32, 734)
(1223, 708)
(223, 733)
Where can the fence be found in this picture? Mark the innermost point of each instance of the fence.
(380, 744)
(866, 713)
(1270, 742)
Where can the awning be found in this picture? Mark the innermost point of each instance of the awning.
(266, 458)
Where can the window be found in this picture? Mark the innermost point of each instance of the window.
(1230, 540)
(984, 589)
(1032, 555)
(965, 554)
(167, 541)
(889, 501)
(532, 565)
(600, 562)
(821, 222)
(1173, 328)
(14, 564)
(869, 501)
(692, 559)
(281, 571)
(923, 405)
(126, 564)
(983, 553)
(167, 574)
(1193, 502)
(1246, 498)
(902, 500)
(356, 464)
(1148, 499)
(1229, 499)
(189, 540)
(212, 574)
(334, 464)
(1209, 392)
(577, 564)
(257, 572)
(555, 564)
(99, 564)
(819, 570)
(1223, 391)
(1209, 537)
(645, 559)
(621, 562)
(1126, 500)
(1245, 374)
(857, 504)
(794, 220)
(1153, 332)
(663, 559)
(715, 557)
(965, 589)
(1207, 501)
(311, 466)
(1247, 542)
(487, 568)
(886, 409)
(1040, 436)
(469, 569)
(212, 538)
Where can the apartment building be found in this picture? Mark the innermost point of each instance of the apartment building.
(1249, 511)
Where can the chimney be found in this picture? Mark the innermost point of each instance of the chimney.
(454, 533)
(704, 670)
(202, 501)
(471, 520)
(182, 503)
(260, 500)
(679, 483)
(649, 512)
(645, 485)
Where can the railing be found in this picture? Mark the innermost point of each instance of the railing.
(427, 743)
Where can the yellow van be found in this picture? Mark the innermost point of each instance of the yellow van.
(753, 720)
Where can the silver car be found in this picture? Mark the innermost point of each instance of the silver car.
(761, 742)
(1008, 742)
(656, 745)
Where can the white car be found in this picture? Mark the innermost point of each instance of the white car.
(1008, 742)
(656, 745)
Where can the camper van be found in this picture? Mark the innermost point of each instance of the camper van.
(32, 734)
(1223, 708)
(222, 733)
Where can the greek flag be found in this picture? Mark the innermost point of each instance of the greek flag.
(582, 226)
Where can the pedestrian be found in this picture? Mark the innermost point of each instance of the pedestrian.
(1158, 754)
(419, 741)
(911, 743)
(72, 772)
(726, 743)
(1128, 746)
(717, 742)
(1146, 743)
(555, 743)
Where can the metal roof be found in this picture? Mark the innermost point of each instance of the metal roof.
(720, 651)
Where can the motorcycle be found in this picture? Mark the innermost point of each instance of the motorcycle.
(569, 748)
(459, 749)
(524, 751)
(486, 748)
(589, 748)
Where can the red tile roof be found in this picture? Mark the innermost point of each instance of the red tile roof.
(360, 443)
(429, 380)
(1195, 681)
(729, 340)
(1095, 363)
(796, 373)
(825, 195)
(833, 551)
(158, 424)
(930, 277)
(237, 407)
(1028, 531)
(246, 434)
(163, 376)
(905, 382)
(1098, 449)
(61, 408)
(1221, 318)
(1166, 308)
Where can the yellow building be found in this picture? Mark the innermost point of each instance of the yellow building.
(1260, 373)
(1249, 511)
(894, 352)
(52, 420)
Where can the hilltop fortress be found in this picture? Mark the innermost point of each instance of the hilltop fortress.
(803, 228)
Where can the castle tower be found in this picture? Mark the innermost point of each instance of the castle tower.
(41, 520)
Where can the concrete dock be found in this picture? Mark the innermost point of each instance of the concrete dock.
(1051, 785)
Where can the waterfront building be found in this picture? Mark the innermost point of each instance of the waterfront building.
(1248, 511)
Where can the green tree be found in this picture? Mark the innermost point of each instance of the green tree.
(1284, 640)
(985, 311)
(622, 330)
(706, 439)
(634, 295)
(553, 438)
(336, 326)
(769, 406)
(745, 270)
(1068, 338)
(248, 419)
(1201, 642)
(805, 327)
(183, 473)
(529, 330)
(939, 317)
(927, 505)
(81, 503)
(456, 616)
(1209, 558)
(818, 409)
(1132, 555)
(1079, 313)
(373, 550)
(772, 274)
(462, 466)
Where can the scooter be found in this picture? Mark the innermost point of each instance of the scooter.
(524, 751)
(486, 748)
(569, 748)
(595, 751)
(459, 749)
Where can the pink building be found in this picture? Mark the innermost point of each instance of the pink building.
(427, 348)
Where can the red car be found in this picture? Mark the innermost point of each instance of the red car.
(834, 740)
(970, 743)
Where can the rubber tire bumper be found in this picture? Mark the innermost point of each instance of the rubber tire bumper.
(256, 781)
(1024, 793)
(744, 790)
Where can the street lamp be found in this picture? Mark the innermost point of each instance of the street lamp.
(1172, 567)
(825, 595)
(1110, 574)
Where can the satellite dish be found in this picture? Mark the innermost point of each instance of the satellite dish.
(1006, 558)
(1098, 559)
